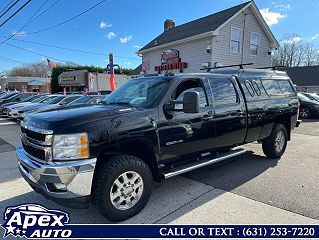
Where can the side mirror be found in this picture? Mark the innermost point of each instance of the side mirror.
(191, 102)
(18, 99)
(63, 103)
(170, 106)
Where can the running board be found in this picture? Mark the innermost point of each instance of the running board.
(203, 163)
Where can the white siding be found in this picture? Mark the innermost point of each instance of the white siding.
(221, 43)
(194, 53)
(104, 82)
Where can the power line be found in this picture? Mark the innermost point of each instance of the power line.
(71, 49)
(68, 20)
(12, 5)
(36, 53)
(8, 19)
(6, 6)
(10, 59)
(25, 23)
(47, 9)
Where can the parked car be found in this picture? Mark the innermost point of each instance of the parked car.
(12, 110)
(56, 102)
(62, 103)
(25, 110)
(6, 96)
(308, 107)
(312, 96)
(28, 99)
(90, 99)
(110, 153)
(15, 98)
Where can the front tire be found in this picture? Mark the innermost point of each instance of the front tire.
(122, 187)
(275, 145)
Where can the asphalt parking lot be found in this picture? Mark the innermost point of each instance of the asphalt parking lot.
(247, 189)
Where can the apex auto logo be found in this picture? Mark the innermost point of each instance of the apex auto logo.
(35, 221)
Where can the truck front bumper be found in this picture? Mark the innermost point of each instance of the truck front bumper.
(67, 183)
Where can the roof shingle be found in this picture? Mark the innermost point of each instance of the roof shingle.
(196, 27)
(304, 76)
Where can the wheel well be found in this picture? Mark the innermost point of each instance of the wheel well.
(142, 149)
(286, 121)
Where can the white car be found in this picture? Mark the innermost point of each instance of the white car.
(12, 110)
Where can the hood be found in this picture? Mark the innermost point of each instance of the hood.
(19, 105)
(32, 106)
(8, 104)
(67, 119)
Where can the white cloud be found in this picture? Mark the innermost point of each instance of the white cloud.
(126, 39)
(270, 17)
(282, 7)
(127, 63)
(111, 35)
(296, 39)
(137, 46)
(315, 37)
(19, 34)
(105, 25)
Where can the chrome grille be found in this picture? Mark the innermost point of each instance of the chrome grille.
(37, 143)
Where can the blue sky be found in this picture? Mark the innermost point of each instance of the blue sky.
(123, 26)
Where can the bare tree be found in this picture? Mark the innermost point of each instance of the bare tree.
(30, 70)
(293, 51)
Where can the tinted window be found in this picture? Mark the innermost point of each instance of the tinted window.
(55, 100)
(271, 86)
(285, 87)
(189, 86)
(70, 99)
(223, 91)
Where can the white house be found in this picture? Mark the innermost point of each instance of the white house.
(234, 36)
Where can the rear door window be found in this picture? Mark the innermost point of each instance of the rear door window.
(271, 86)
(286, 87)
(224, 91)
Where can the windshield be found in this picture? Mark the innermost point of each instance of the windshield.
(28, 99)
(314, 96)
(140, 92)
(303, 97)
(80, 100)
(54, 100)
(39, 98)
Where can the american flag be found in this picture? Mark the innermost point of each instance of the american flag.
(51, 64)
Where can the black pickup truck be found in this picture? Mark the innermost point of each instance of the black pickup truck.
(153, 128)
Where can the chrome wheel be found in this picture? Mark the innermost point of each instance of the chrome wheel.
(304, 113)
(126, 190)
(280, 141)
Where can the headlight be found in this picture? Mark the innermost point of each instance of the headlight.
(71, 146)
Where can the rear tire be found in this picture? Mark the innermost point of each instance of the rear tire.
(122, 187)
(275, 145)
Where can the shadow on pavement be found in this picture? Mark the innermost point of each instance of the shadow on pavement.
(173, 194)
(228, 175)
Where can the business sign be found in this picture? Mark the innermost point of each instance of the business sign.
(170, 60)
(33, 221)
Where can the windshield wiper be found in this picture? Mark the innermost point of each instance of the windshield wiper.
(118, 103)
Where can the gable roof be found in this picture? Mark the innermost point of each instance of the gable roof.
(136, 71)
(204, 25)
(304, 76)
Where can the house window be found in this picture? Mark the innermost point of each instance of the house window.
(235, 40)
(254, 43)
